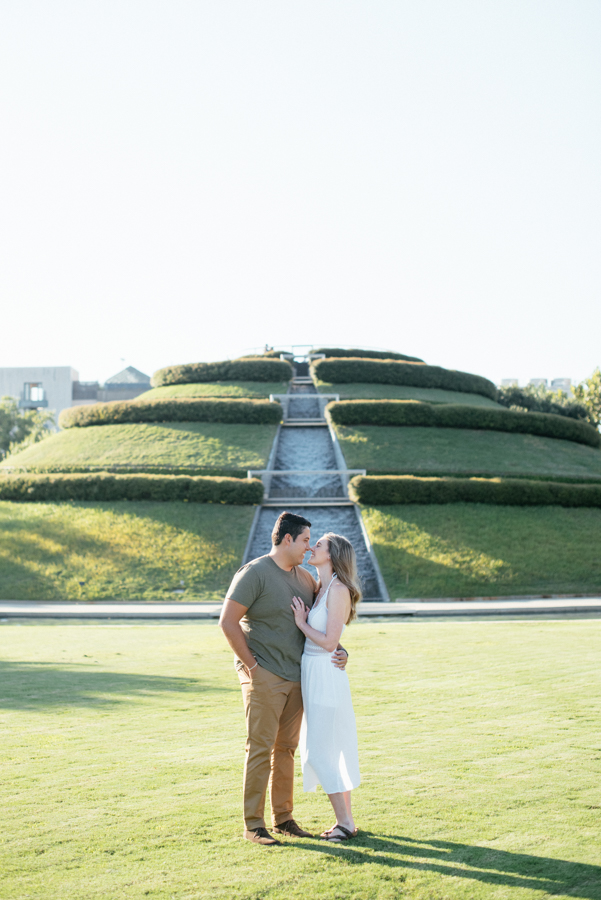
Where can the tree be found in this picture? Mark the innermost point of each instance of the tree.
(588, 393)
(540, 399)
(20, 428)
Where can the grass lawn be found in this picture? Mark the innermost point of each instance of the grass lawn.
(120, 551)
(253, 389)
(471, 550)
(362, 391)
(480, 756)
(195, 446)
(463, 451)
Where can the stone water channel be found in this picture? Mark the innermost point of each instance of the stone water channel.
(305, 453)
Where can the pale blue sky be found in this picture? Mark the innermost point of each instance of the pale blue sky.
(186, 180)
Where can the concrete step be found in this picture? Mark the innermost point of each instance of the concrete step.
(304, 501)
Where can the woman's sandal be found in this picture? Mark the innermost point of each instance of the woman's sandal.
(335, 838)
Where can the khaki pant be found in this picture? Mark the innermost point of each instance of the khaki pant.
(274, 712)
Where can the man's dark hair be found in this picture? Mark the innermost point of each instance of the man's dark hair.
(288, 523)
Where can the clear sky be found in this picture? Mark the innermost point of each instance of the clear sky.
(187, 179)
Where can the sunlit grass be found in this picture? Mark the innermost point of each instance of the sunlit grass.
(479, 749)
(454, 451)
(362, 391)
(198, 446)
(120, 551)
(469, 549)
(252, 389)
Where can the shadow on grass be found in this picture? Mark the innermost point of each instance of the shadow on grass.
(28, 685)
(484, 864)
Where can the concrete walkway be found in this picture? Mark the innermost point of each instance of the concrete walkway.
(31, 609)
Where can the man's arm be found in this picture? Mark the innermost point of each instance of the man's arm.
(229, 622)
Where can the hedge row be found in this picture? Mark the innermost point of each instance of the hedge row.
(229, 370)
(387, 489)
(348, 371)
(248, 412)
(102, 486)
(339, 352)
(413, 412)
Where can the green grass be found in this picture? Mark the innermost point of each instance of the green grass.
(197, 446)
(253, 389)
(459, 451)
(479, 746)
(120, 551)
(362, 391)
(471, 550)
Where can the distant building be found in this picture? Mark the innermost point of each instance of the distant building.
(562, 384)
(125, 385)
(39, 387)
(58, 387)
(509, 382)
(538, 382)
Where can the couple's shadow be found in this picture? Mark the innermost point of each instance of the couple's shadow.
(484, 864)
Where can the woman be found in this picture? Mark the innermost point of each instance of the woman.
(328, 742)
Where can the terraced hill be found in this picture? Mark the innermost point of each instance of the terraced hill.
(105, 550)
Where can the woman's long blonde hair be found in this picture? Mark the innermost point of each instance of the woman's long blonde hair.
(344, 565)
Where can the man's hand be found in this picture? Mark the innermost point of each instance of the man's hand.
(340, 658)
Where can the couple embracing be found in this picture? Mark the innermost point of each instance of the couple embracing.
(285, 628)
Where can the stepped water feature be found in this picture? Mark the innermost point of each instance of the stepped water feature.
(307, 475)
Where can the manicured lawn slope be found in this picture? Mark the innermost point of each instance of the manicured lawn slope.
(362, 391)
(467, 550)
(123, 750)
(252, 389)
(198, 446)
(121, 551)
(449, 451)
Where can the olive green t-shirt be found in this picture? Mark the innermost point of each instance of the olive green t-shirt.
(268, 624)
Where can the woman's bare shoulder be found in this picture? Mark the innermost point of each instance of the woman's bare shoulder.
(338, 589)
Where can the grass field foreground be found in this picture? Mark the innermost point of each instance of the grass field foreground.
(195, 446)
(120, 551)
(366, 391)
(472, 550)
(455, 451)
(253, 389)
(123, 749)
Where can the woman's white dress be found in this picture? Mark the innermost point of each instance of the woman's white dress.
(328, 741)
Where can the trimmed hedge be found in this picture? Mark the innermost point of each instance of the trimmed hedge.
(388, 489)
(375, 371)
(261, 369)
(339, 352)
(452, 415)
(103, 486)
(250, 412)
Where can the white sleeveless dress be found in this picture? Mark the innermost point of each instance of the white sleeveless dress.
(328, 740)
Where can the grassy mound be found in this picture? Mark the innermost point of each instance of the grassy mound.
(467, 550)
(478, 741)
(458, 451)
(120, 551)
(174, 446)
(255, 390)
(401, 392)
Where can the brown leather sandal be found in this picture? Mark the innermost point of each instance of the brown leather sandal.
(346, 834)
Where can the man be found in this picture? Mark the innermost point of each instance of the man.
(259, 626)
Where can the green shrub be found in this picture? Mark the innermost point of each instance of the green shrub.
(247, 412)
(451, 415)
(106, 487)
(261, 369)
(374, 371)
(383, 490)
(339, 352)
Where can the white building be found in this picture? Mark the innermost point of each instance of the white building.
(35, 387)
(58, 387)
